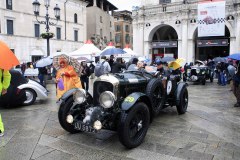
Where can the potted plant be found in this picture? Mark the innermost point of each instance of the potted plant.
(47, 35)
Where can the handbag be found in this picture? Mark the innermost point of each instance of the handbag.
(60, 84)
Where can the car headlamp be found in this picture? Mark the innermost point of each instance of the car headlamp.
(198, 71)
(107, 99)
(79, 96)
(203, 72)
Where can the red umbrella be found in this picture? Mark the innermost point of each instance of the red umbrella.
(7, 57)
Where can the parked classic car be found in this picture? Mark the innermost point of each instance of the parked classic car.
(125, 102)
(22, 91)
(199, 73)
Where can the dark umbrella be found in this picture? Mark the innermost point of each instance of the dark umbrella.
(167, 59)
(112, 51)
(220, 59)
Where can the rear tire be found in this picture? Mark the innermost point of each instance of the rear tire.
(134, 125)
(156, 93)
(62, 115)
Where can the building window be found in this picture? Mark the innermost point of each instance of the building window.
(37, 30)
(75, 35)
(127, 38)
(75, 18)
(101, 19)
(110, 36)
(127, 28)
(13, 50)
(36, 58)
(10, 27)
(110, 23)
(118, 28)
(9, 4)
(101, 34)
(118, 38)
(58, 33)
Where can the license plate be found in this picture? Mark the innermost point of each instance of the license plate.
(84, 127)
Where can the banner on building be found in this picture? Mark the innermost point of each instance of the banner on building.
(211, 18)
(166, 44)
(212, 43)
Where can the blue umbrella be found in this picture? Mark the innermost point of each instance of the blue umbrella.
(112, 51)
(167, 59)
(235, 56)
(44, 62)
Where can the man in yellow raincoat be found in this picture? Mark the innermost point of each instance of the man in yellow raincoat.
(5, 78)
(68, 76)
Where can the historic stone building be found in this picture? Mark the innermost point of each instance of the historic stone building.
(21, 31)
(123, 29)
(100, 22)
(169, 27)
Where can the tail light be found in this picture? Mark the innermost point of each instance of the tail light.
(18, 91)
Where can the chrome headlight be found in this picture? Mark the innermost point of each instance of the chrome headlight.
(203, 72)
(79, 96)
(107, 99)
(198, 71)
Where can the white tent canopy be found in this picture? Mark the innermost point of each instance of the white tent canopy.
(129, 52)
(86, 49)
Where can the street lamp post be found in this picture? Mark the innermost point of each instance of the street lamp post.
(36, 8)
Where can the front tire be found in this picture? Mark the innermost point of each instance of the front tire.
(183, 104)
(31, 97)
(63, 113)
(134, 125)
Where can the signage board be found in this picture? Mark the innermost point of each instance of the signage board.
(212, 43)
(167, 44)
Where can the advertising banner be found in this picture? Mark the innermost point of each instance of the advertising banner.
(212, 43)
(167, 44)
(211, 18)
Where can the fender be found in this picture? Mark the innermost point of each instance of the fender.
(70, 92)
(131, 100)
(180, 86)
(40, 91)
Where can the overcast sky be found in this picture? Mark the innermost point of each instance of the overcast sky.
(125, 4)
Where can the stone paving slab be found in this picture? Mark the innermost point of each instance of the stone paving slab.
(209, 130)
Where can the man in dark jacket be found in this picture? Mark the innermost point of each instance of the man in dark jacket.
(118, 66)
(42, 75)
(85, 75)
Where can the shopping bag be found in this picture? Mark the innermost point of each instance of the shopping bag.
(60, 84)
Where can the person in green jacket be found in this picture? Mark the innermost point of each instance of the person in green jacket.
(5, 78)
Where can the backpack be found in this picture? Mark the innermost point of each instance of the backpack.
(91, 69)
(99, 69)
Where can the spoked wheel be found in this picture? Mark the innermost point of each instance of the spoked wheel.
(134, 125)
(156, 93)
(182, 107)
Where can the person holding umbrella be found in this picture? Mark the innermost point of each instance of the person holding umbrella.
(66, 77)
(7, 61)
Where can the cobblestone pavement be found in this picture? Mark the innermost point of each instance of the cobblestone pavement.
(209, 130)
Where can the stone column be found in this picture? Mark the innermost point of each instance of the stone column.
(138, 40)
(237, 32)
(184, 51)
(233, 46)
(95, 3)
(191, 51)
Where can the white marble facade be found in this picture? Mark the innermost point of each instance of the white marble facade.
(151, 16)
(24, 42)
